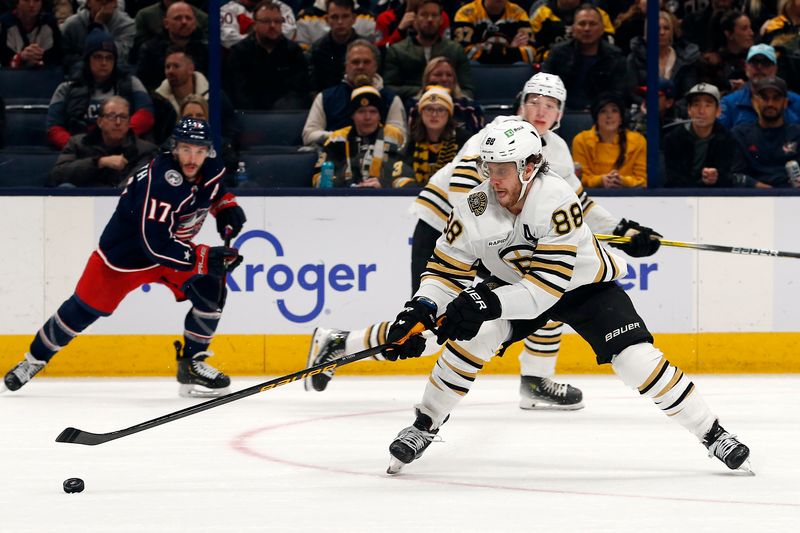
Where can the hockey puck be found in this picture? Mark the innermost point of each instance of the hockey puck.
(73, 484)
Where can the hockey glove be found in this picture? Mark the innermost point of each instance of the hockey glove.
(228, 215)
(644, 241)
(215, 260)
(418, 310)
(465, 315)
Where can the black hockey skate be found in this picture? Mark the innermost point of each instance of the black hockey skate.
(544, 393)
(198, 379)
(326, 345)
(411, 443)
(23, 372)
(727, 448)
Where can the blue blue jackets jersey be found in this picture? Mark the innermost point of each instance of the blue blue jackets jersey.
(159, 213)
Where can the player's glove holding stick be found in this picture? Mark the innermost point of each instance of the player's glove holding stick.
(644, 241)
(417, 311)
(230, 217)
(215, 260)
(467, 312)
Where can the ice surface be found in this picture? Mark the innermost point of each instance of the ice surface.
(290, 460)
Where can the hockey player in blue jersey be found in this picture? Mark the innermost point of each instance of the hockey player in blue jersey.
(149, 240)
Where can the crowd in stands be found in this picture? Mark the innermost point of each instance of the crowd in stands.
(391, 89)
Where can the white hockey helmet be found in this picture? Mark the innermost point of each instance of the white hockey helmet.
(547, 85)
(510, 141)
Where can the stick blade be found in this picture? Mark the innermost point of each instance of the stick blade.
(78, 436)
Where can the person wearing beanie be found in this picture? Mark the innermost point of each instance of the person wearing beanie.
(610, 154)
(434, 138)
(366, 153)
(102, 15)
(76, 103)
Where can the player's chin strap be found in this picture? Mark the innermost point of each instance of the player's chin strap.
(525, 182)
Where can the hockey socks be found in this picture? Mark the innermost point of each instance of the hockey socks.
(540, 351)
(71, 319)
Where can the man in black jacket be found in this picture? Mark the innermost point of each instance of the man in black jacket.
(698, 153)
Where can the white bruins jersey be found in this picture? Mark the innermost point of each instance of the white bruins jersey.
(456, 179)
(541, 253)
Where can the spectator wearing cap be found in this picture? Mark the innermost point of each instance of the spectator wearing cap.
(105, 156)
(434, 138)
(405, 61)
(266, 70)
(29, 38)
(75, 104)
(737, 107)
(611, 155)
(366, 153)
(329, 110)
(698, 153)
(97, 14)
(587, 63)
(765, 146)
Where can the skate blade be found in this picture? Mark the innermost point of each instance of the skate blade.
(198, 391)
(530, 405)
(745, 469)
(395, 465)
(3, 387)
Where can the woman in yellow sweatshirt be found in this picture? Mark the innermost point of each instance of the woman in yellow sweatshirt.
(611, 155)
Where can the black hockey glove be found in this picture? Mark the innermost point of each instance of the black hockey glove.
(465, 315)
(215, 261)
(417, 311)
(230, 217)
(644, 241)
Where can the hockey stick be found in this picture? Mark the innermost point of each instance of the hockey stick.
(78, 436)
(708, 247)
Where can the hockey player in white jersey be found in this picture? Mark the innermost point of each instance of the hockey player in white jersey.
(526, 226)
(543, 99)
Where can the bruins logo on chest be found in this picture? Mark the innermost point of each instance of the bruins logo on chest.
(477, 203)
(518, 257)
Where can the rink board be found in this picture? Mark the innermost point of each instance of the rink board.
(343, 262)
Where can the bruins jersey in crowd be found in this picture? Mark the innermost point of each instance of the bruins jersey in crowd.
(311, 24)
(551, 26)
(542, 253)
(486, 38)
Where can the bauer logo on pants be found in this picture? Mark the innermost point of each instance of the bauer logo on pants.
(624, 329)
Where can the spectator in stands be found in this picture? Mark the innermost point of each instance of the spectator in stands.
(366, 153)
(434, 138)
(75, 103)
(737, 107)
(551, 23)
(760, 11)
(785, 27)
(150, 21)
(329, 109)
(698, 154)
(266, 70)
(496, 32)
(181, 78)
(328, 52)
(406, 60)
(630, 24)
(102, 14)
(29, 38)
(724, 65)
(236, 21)
(610, 155)
(666, 108)
(587, 63)
(395, 23)
(699, 25)
(467, 113)
(677, 59)
(767, 145)
(194, 106)
(312, 24)
(180, 29)
(107, 155)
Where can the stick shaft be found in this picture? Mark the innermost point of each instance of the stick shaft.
(741, 250)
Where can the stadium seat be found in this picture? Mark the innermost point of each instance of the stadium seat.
(499, 84)
(31, 167)
(264, 129)
(26, 127)
(290, 169)
(572, 123)
(29, 86)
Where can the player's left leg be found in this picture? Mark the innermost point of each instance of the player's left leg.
(450, 380)
(537, 364)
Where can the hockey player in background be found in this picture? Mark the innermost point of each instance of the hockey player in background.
(526, 226)
(542, 105)
(149, 240)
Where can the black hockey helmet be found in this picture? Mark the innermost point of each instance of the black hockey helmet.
(192, 131)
